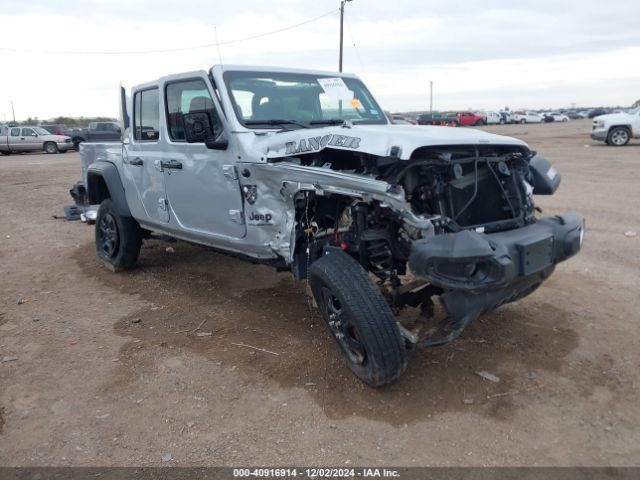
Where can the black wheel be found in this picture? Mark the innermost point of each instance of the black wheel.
(50, 147)
(359, 319)
(5, 153)
(523, 121)
(118, 238)
(618, 136)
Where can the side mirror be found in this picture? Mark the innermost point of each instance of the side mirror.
(546, 179)
(34, 134)
(199, 129)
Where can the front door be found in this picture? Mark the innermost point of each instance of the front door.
(202, 185)
(29, 140)
(142, 158)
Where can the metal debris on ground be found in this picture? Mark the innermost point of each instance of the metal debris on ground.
(255, 348)
(630, 234)
(8, 359)
(22, 301)
(488, 376)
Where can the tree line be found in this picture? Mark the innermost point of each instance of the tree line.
(69, 121)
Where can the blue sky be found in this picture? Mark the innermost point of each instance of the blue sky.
(480, 54)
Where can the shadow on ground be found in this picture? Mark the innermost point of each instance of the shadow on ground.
(255, 305)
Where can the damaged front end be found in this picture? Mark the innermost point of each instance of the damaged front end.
(480, 244)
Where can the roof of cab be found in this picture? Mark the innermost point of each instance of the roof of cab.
(236, 68)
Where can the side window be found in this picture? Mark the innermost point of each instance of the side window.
(189, 96)
(146, 115)
(15, 132)
(26, 132)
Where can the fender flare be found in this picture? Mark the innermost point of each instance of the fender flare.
(108, 172)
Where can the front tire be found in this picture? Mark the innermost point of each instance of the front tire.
(50, 147)
(618, 136)
(118, 238)
(359, 319)
(523, 121)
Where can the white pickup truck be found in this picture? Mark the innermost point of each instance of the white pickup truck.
(616, 129)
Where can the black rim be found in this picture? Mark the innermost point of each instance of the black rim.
(343, 329)
(108, 235)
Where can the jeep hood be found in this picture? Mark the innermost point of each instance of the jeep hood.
(382, 140)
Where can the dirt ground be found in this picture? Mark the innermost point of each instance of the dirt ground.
(97, 368)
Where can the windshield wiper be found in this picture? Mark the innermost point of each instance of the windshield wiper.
(328, 121)
(275, 122)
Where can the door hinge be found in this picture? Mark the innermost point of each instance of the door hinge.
(230, 172)
(236, 216)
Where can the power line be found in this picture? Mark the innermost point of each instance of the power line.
(169, 50)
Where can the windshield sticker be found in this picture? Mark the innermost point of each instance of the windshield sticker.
(355, 103)
(315, 144)
(336, 89)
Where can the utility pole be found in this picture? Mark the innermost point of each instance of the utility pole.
(13, 111)
(431, 96)
(342, 2)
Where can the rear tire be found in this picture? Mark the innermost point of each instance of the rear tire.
(618, 136)
(359, 319)
(118, 238)
(50, 147)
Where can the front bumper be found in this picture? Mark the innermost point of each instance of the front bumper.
(479, 272)
(600, 135)
(64, 146)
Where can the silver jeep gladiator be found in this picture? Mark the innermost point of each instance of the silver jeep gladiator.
(301, 170)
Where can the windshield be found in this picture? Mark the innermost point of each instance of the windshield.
(300, 100)
(41, 131)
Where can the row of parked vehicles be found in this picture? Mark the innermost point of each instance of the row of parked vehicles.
(468, 118)
(54, 138)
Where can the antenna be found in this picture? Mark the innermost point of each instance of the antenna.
(215, 31)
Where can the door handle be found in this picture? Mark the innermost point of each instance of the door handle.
(173, 164)
(136, 162)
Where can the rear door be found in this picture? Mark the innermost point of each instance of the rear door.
(142, 156)
(14, 140)
(203, 191)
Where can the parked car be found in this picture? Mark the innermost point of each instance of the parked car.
(58, 129)
(573, 115)
(596, 112)
(31, 139)
(283, 168)
(616, 129)
(527, 117)
(438, 118)
(96, 132)
(470, 118)
(493, 118)
(558, 117)
(402, 120)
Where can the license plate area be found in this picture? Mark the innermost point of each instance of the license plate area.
(535, 255)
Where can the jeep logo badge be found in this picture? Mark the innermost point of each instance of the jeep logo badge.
(260, 218)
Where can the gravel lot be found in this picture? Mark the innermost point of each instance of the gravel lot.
(93, 370)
